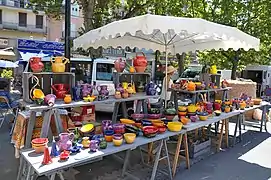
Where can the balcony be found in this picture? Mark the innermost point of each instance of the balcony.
(15, 4)
(74, 34)
(26, 28)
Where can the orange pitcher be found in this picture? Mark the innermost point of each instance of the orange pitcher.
(58, 64)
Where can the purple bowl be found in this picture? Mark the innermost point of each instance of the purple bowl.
(154, 116)
(118, 126)
(137, 116)
(117, 136)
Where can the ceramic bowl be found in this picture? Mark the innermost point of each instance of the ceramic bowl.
(166, 121)
(161, 129)
(129, 137)
(64, 155)
(217, 113)
(75, 149)
(174, 126)
(39, 148)
(137, 116)
(117, 136)
(150, 131)
(87, 128)
(109, 132)
(154, 116)
(39, 141)
(203, 118)
(132, 129)
(193, 118)
(182, 113)
(170, 117)
(119, 128)
(158, 123)
(117, 142)
(146, 123)
(127, 121)
(108, 138)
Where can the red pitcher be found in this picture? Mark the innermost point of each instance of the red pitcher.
(36, 65)
(60, 90)
(140, 62)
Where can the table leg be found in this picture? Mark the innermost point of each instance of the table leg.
(177, 153)
(150, 155)
(220, 136)
(21, 168)
(126, 161)
(168, 161)
(156, 161)
(46, 124)
(30, 127)
(115, 112)
(28, 176)
(61, 177)
(263, 118)
(53, 176)
(58, 121)
(227, 132)
(187, 160)
(235, 130)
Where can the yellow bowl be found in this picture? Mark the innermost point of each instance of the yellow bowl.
(203, 118)
(86, 128)
(117, 142)
(182, 108)
(174, 126)
(127, 121)
(129, 137)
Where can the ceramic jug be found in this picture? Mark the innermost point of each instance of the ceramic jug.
(60, 90)
(65, 141)
(94, 145)
(151, 89)
(119, 65)
(86, 90)
(50, 99)
(58, 64)
(106, 125)
(102, 89)
(36, 65)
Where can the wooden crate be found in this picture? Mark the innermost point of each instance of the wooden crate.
(46, 80)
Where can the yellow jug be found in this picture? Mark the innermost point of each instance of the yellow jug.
(58, 66)
(213, 69)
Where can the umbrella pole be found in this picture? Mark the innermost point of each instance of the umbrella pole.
(166, 83)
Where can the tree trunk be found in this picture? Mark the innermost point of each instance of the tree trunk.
(234, 66)
(180, 59)
(88, 13)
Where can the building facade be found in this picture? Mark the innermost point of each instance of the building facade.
(18, 21)
(56, 28)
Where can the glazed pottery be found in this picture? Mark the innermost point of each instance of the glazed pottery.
(108, 138)
(75, 149)
(184, 120)
(119, 128)
(86, 90)
(130, 89)
(102, 89)
(191, 86)
(125, 94)
(117, 139)
(58, 64)
(118, 95)
(36, 65)
(127, 121)
(76, 91)
(146, 122)
(192, 108)
(217, 106)
(150, 131)
(119, 65)
(137, 117)
(85, 142)
(213, 69)
(129, 137)
(174, 126)
(242, 105)
(140, 62)
(50, 99)
(119, 88)
(60, 90)
(94, 145)
(64, 155)
(68, 99)
(151, 89)
(182, 108)
(39, 145)
(65, 141)
(103, 144)
(106, 125)
(132, 129)
(54, 149)
(193, 118)
(203, 117)
(46, 157)
(117, 136)
(228, 109)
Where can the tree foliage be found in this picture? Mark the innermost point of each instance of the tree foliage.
(250, 16)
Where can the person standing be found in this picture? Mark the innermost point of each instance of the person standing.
(166, 94)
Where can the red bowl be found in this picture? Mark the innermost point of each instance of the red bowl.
(150, 129)
(162, 129)
(39, 141)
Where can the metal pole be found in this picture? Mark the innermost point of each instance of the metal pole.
(67, 31)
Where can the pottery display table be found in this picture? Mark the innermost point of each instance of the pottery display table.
(32, 161)
(49, 111)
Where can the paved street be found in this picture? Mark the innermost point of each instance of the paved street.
(248, 160)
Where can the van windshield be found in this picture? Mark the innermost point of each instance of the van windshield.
(104, 72)
(191, 72)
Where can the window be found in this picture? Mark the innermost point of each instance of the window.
(104, 72)
(0, 16)
(39, 21)
(22, 19)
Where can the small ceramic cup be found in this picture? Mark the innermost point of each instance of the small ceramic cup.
(117, 136)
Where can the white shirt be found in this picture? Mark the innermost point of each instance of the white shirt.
(165, 93)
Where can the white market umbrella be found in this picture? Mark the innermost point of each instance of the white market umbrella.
(7, 64)
(167, 34)
(7, 54)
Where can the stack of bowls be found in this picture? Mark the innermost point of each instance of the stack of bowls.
(119, 128)
(108, 135)
(39, 144)
(117, 139)
(150, 131)
(87, 130)
(182, 111)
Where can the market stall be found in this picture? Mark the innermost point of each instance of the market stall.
(85, 143)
